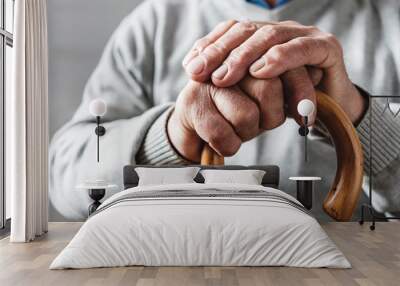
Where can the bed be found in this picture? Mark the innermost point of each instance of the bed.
(198, 224)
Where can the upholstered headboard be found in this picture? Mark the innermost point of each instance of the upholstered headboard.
(271, 177)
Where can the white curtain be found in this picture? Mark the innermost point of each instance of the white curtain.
(27, 123)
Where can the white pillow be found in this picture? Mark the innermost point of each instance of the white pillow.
(163, 176)
(248, 177)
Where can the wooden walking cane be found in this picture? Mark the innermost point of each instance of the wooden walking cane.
(345, 191)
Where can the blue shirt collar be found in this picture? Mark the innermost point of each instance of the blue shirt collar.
(265, 5)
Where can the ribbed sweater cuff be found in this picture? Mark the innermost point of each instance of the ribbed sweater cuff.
(156, 148)
(385, 138)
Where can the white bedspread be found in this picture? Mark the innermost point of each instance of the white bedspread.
(177, 231)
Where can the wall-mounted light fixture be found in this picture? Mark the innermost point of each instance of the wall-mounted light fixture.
(305, 108)
(98, 108)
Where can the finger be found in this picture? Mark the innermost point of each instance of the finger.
(315, 75)
(298, 86)
(241, 58)
(239, 110)
(200, 67)
(212, 127)
(202, 43)
(268, 95)
(291, 22)
(322, 52)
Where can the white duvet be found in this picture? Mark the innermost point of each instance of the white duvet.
(188, 231)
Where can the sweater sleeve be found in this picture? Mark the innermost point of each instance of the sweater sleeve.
(156, 148)
(124, 80)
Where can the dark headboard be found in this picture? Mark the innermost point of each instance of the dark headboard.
(271, 177)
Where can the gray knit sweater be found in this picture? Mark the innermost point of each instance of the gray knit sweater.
(140, 76)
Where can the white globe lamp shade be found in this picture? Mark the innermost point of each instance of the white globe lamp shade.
(305, 107)
(97, 107)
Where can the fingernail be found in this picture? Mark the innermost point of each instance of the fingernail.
(257, 65)
(220, 72)
(195, 66)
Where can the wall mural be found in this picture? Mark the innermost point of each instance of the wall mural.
(143, 82)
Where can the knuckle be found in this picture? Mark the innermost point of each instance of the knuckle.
(246, 119)
(223, 24)
(220, 139)
(200, 44)
(229, 22)
(281, 119)
(331, 37)
(324, 44)
(277, 55)
(194, 94)
(266, 29)
(197, 43)
(291, 22)
(312, 29)
(306, 46)
(246, 122)
(229, 150)
(271, 33)
(239, 56)
(321, 43)
(333, 42)
(272, 104)
(215, 138)
(218, 48)
(276, 120)
(236, 59)
(273, 120)
(245, 27)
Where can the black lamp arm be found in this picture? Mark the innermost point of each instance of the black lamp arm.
(303, 131)
(100, 131)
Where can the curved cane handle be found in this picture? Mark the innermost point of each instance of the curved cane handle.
(210, 157)
(343, 196)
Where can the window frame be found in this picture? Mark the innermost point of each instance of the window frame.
(6, 39)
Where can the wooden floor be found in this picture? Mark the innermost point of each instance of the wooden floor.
(375, 256)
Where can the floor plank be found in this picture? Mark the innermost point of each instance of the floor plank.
(375, 257)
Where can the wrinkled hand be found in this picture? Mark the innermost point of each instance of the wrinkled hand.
(268, 50)
(224, 117)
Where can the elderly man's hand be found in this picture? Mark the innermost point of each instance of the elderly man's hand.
(225, 117)
(267, 50)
